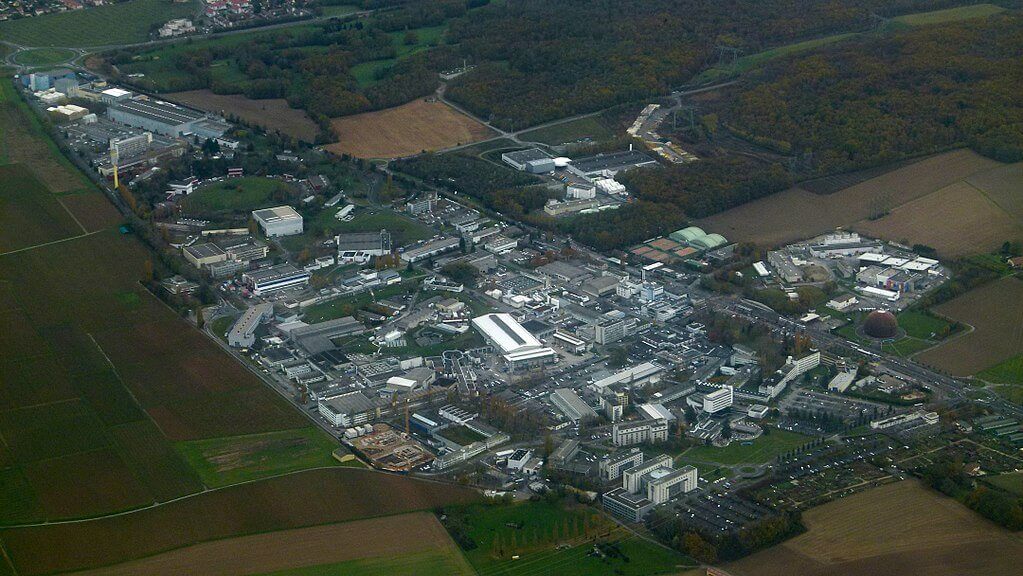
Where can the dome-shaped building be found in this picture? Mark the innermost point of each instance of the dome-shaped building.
(881, 324)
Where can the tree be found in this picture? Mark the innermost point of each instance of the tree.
(411, 38)
(461, 272)
(726, 429)
(694, 545)
(617, 357)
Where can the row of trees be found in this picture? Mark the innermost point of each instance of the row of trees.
(948, 476)
(689, 539)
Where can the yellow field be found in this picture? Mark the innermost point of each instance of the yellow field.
(404, 130)
(901, 528)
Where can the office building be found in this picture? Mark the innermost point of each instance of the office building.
(611, 467)
(572, 406)
(718, 400)
(635, 432)
(279, 221)
(243, 332)
(647, 485)
(275, 278)
(430, 249)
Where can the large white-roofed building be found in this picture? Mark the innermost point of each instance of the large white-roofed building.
(516, 345)
(279, 221)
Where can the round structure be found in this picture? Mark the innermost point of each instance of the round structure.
(561, 162)
(881, 324)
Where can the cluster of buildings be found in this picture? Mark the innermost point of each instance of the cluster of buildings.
(645, 483)
(686, 246)
(14, 9)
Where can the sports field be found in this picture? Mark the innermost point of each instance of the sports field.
(404, 130)
(797, 214)
(377, 546)
(900, 528)
(995, 311)
(303, 499)
(124, 23)
(273, 114)
(41, 57)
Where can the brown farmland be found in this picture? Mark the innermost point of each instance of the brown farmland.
(901, 528)
(995, 311)
(20, 139)
(956, 221)
(273, 114)
(275, 551)
(293, 501)
(797, 214)
(92, 210)
(404, 130)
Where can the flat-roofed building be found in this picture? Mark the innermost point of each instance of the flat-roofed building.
(611, 467)
(572, 406)
(350, 409)
(204, 254)
(243, 332)
(164, 118)
(279, 221)
(316, 338)
(275, 278)
(718, 400)
(647, 485)
(243, 248)
(650, 431)
(430, 249)
(359, 247)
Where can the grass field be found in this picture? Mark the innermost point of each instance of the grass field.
(303, 499)
(1012, 482)
(348, 305)
(900, 528)
(796, 214)
(43, 57)
(405, 130)
(462, 435)
(949, 15)
(995, 310)
(113, 24)
(922, 325)
(376, 546)
(273, 114)
(590, 127)
(224, 461)
(234, 195)
(403, 230)
(551, 537)
(761, 450)
(1007, 372)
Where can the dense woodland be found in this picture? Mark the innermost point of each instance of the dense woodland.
(905, 94)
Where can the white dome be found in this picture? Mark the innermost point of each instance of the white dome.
(561, 161)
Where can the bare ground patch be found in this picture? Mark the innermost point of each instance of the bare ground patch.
(273, 114)
(404, 130)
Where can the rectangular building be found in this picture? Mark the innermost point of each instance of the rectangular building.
(279, 221)
(359, 247)
(243, 332)
(349, 409)
(639, 432)
(611, 467)
(718, 400)
(204, 254)
(430, 249)
(572, 406)
(275, 278)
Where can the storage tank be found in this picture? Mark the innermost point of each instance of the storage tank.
(351, 433)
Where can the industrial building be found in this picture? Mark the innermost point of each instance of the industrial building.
(350, 409)
(274, 278)
(243, 332)
(204, 254)
(165, 118)
(609, 330)
(279, 221)
(572, 406)
(533, 160)
(430, 249)
(518, 348)
(316, 338)
(636, 376)
(695, 237)
(639, 432)
(359, 247)
(608, 165)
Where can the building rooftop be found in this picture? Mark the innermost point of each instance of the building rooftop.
(207, 250)
(277, 214)
(523, 156)
(159, 111)
(614, 162)
(505, 332)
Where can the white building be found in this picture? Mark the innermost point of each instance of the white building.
(518, 348)
(718, 400)
(275, 278)
(243, 332)
(279, 221)
(639, 432)
(572, 406)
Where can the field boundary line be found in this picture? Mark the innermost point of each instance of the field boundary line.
(72, 215)
(991, 200)
(51, 243)
(7, 558)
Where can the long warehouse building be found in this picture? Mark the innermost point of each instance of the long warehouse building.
(518, 347)
(166, 118)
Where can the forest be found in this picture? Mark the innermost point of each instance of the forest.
(902, 95)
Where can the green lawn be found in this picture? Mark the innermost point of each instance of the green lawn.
(1012, 482)
(234, 195)
(44, 57)
(589, 127)
(760, 451)
(464, 341)
(403, 230)
(1008, 372)
(533, 531)
(338, 11)
(440, 563)
(229, 460)
(124, 23)
(221, 325)
(905, 347)
(462, 435)
(347, 306)
(923, 325)
(949, 15)
(365, 73)
(1011, 392)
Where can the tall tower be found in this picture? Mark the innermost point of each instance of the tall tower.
(114, 157)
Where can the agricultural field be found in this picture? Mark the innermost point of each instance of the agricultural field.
(1007, 372)
(762, 450)
(44, 57)
(1011, 482)
(302, 499)
(796, 214)
(29, 213)
(591, 128)
(124, 23)
(377, 546)
(995, 311)
(557, 538)
(273, 114)
(404, 130)
(233, 195)
(225, 461)
(900, 528)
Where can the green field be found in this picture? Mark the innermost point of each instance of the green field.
(338, 11)
(423, 564)
(747, 63)
(221, 325)
(29, 213)
(113, 24)
(323, 224)
(42, 57)
(1012, 482)
(462, 435)
(234, 195)
(760, 451)
(556, 538)
(366, 72)
(923, 325)
(224, 461)
(347, 306)
(590, 127)
(1008, 372)
(949, 15)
